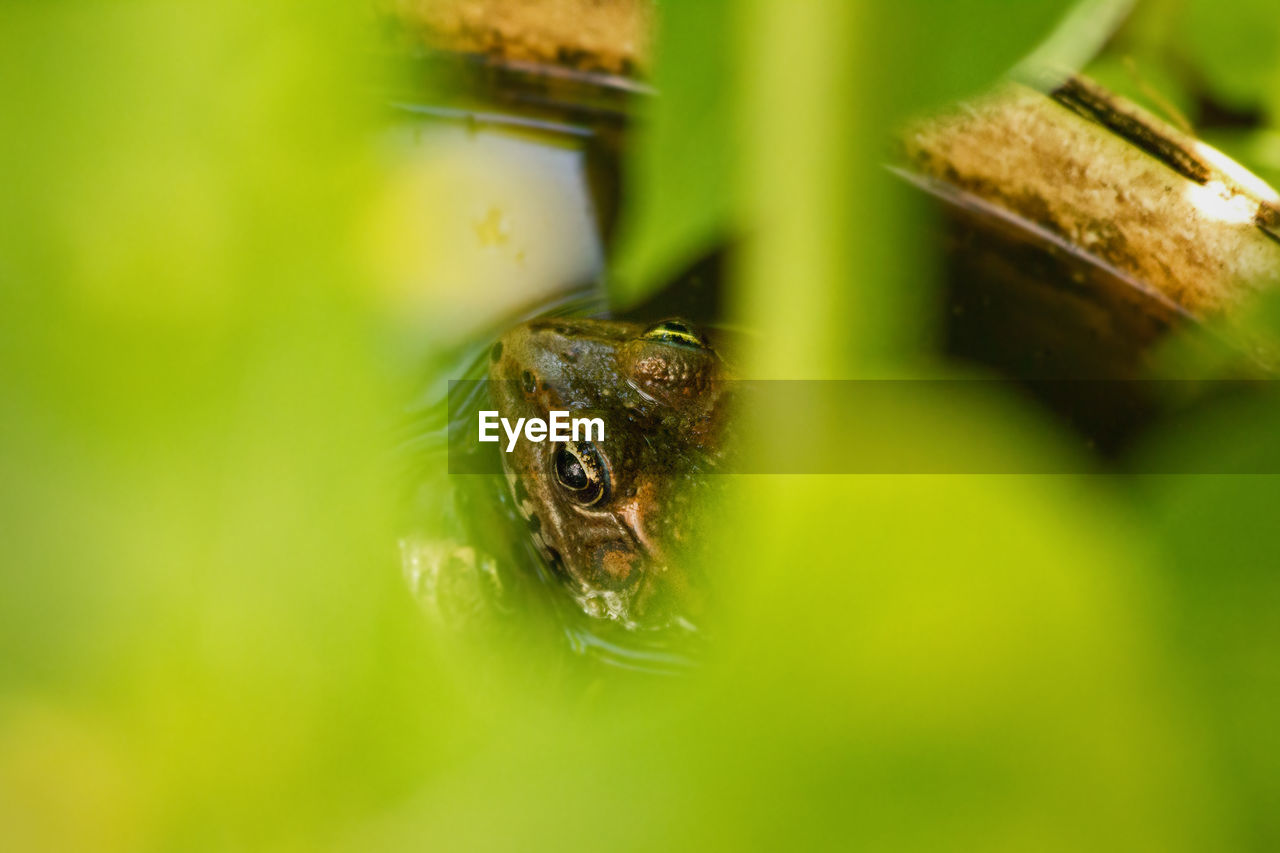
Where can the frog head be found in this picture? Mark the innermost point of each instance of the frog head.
(611, 516)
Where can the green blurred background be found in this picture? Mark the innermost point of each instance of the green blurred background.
(205, 639)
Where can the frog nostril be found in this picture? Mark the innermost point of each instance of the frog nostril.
(528, 382)
(615, 568)
(496, 352)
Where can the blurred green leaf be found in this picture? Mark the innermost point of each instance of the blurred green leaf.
(204, 637)
(681, 195)
(1236, 47)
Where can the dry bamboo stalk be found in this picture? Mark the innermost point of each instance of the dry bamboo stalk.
(1172, 215)
(610, 36)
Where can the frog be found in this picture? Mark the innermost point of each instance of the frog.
(614, 516)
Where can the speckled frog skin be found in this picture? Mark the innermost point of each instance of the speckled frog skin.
(612, 517)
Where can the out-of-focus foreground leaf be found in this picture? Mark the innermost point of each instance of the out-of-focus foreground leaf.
(203, 641)
(1217, 542)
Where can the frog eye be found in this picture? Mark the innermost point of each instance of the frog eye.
(580, 470)
(675, 332)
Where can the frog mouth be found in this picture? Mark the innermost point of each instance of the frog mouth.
(607, 604)
(640, 592)
(624, 607)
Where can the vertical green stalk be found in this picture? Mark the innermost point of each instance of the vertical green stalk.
(800, 129)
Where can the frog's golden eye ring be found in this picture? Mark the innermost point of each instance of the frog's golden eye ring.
(581, 471)
(675, 332)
